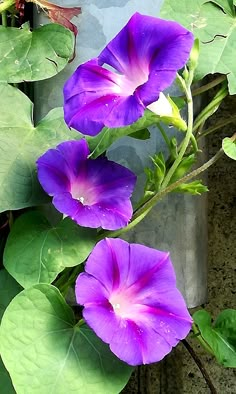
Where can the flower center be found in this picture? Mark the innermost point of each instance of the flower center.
(127, 84)
(121, 304)
(84, 193)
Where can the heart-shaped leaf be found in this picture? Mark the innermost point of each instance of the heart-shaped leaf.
(36, 251)
(53, 354)
(229, 147)
(221, 337)
(214, 23)
(34, 55)
(21, 144)
(9, 288)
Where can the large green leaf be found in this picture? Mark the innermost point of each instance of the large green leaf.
(21, 144)
(226, 5)
(221, 337)
(9, 288)
(34, 55)
(54, 355)
(229, 147)
(36, 251)
(214, 23)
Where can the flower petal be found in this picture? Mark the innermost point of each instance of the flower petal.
(92, 100)
(53, 172)
(97, 293)
(114, 257)
(56, 166)
(138, 345)
(161, 107)
(110, 179)
(102, 320)
(142, 268)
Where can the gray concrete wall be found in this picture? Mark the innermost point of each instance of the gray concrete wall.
(177, 373)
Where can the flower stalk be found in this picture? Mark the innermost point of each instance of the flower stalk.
(140, 214)
(187, 89)
(212, 107)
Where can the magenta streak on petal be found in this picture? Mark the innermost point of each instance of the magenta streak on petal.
(104, 101)
(142, 282)
(116, 271)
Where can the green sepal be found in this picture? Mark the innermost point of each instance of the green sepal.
(175, 119)
(194, 55)
(194, 188)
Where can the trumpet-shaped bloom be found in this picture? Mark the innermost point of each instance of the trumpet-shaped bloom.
(131, 301)
(145, 56)
(94, 193)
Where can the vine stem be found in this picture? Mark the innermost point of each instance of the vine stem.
(143, 211)
(4, 18)
(200, 339)
(200, 365)
(208, 86)
(210, 130)
(187, 89)
(211, 108)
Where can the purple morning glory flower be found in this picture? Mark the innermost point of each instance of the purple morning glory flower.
(145, 56)
(94, 193)
(131, 301)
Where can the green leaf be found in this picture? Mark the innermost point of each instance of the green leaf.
(6, 383)
(143, 134)
(229, 147)
(9, 288)
(226, 5)
(36, 251)
(221, 337)
(36, 55)
(216, 29)
(103, 140)
(55, 356)
(21, 144)
(184, 166)
(156, 175)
